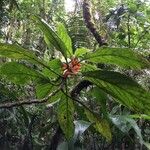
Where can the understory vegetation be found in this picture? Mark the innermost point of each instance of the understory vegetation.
(77, 79)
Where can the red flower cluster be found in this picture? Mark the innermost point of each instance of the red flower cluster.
(71, 68)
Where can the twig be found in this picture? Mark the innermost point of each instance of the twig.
(129, 36)
(29, 102)
(140, 38)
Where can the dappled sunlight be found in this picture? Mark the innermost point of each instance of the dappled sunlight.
(69, 5)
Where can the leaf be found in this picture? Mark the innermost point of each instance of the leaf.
(101, 125)
(17, 52)
(124, 89)
(42, 90)
(147, 145)
(65, 116)
(62, 33)
(56, 65)
(123, 57)
(100, 98)
(125, 123)
(19, 73)
(142, 116)
(52, 38)
(88, 67)
(49, 45)
(56, 98)
(80, 51)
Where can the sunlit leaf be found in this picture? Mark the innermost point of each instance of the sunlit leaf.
(51, 36)
(147, 145)
(17, 52)
(88, 67)
(140, 116)
(19, 73)
(80, 51)
(123, 57)
(62, 33)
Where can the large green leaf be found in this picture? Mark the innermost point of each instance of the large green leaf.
(51, 36)
(62, 32)
(124, 89)
(43, 90)
(65, 116)
(19, 73)
(17, 52)
(101, 98)
(123, 57)
(56, 65)
(101, 125)
(81, 51)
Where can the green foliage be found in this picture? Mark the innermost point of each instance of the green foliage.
(65, 116)
(101, 125)
(53, 38)
(101, 98)
(123, 57)
(122, 88)
(48, 76)
(80, 52)
(125, 123)
(42, 90)
(19, 73)
(56, 65)
(17, 52)
(62, 33)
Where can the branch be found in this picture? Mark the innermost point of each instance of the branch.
(79, 87)
(78, 101)
(29, 102)
(89, 23)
